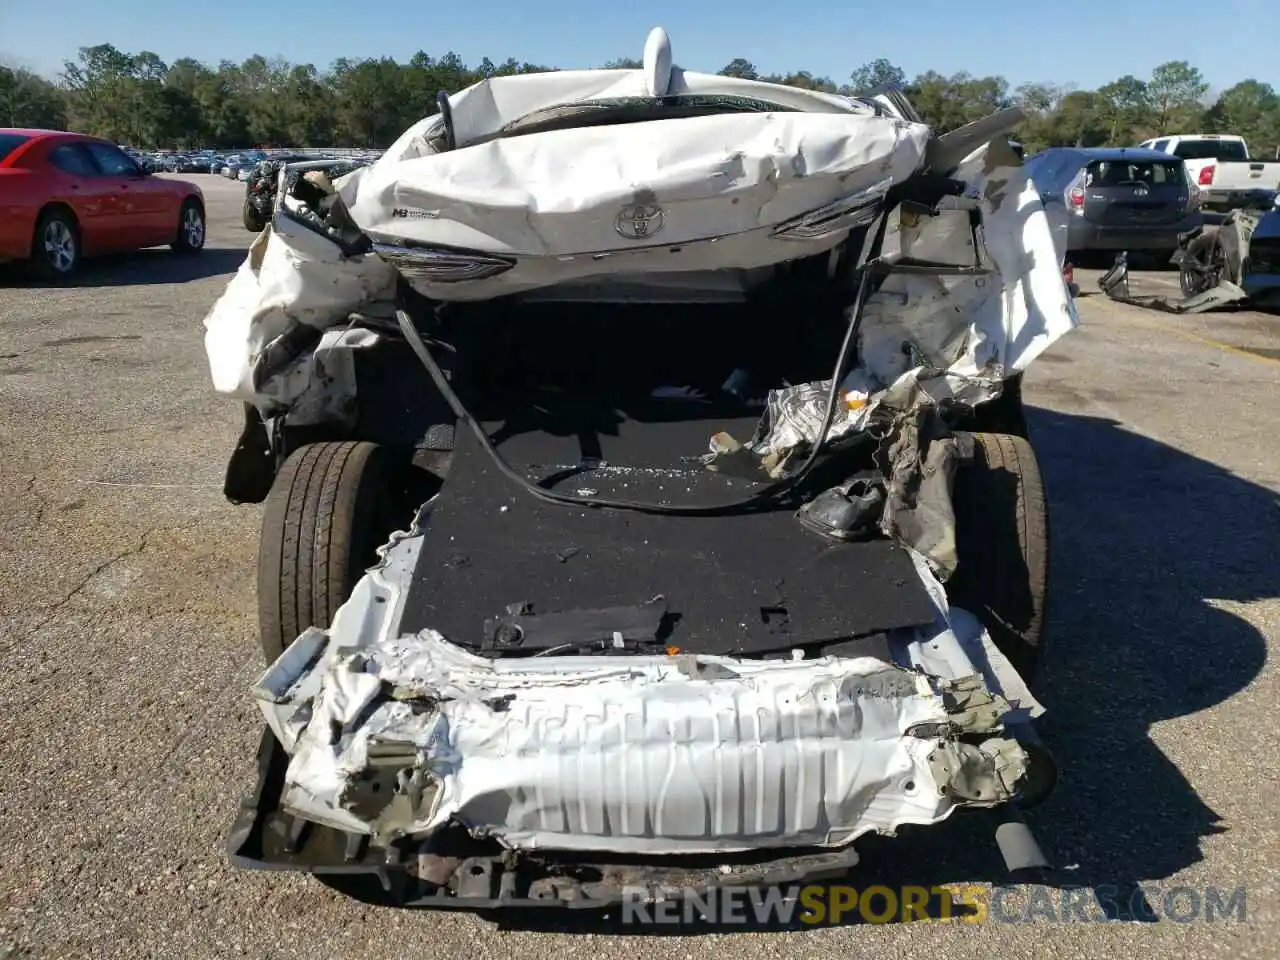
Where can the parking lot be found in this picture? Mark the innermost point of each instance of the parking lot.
(127, 620)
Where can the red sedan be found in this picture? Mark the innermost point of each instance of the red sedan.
(64, 196)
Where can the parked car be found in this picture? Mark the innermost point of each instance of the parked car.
(610, 641)
(65, 196)
(1220, 166)
(231, 165)
(1115, 198)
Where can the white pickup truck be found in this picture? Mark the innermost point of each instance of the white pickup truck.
(1221, 168)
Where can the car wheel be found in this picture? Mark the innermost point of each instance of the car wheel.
(254, 221)
(55, 247)
(190, 238)
(1002, 546)
(1201, 266)
(330, 508)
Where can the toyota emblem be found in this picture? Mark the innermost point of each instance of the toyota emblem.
(636, 221)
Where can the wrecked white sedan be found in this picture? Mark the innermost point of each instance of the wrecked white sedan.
(647, 494)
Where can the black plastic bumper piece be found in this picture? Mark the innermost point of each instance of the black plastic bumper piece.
(252, 466)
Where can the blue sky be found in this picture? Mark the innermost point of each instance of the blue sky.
(1078, 42)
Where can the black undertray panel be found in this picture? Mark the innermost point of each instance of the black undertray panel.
(746, 583)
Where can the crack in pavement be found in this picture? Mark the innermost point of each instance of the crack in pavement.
(41, 503)
(79, 588)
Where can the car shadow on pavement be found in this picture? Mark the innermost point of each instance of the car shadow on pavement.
(1149, 547)
(1148, 543)
(139, 268)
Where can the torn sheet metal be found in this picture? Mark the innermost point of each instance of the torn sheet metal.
(1218, 269)
(294, 285)
(929, 339)
(1115, 284)
(1235, 238)
(631, 753)
(322, 382)
(641, 754)
(981, 326)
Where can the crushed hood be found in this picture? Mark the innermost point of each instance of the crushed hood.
(569, 192)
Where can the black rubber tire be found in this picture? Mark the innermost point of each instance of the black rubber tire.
(1188, 281)
(182, 244)
(39, 264)
(331, 506)
(1002, 544)
(1201, 251)
(253, 221)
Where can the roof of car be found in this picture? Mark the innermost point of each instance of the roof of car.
(1118, 153)
(36, 133)
(26, 132)
(30, 137)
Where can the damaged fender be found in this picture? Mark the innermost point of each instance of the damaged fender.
(294, 285)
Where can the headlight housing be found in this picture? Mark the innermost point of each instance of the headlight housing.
(856, 210)
(441, 265)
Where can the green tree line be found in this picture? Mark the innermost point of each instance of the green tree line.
(141, 100)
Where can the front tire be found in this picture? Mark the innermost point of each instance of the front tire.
(55, 246)
(1002, 544)
(330, 508)
(191, 228)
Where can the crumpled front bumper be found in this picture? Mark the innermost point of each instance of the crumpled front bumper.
(679, 755)
(411, 752)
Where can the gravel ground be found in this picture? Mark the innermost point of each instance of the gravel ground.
(126, 619)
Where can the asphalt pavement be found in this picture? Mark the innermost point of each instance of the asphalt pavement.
(127, 625)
